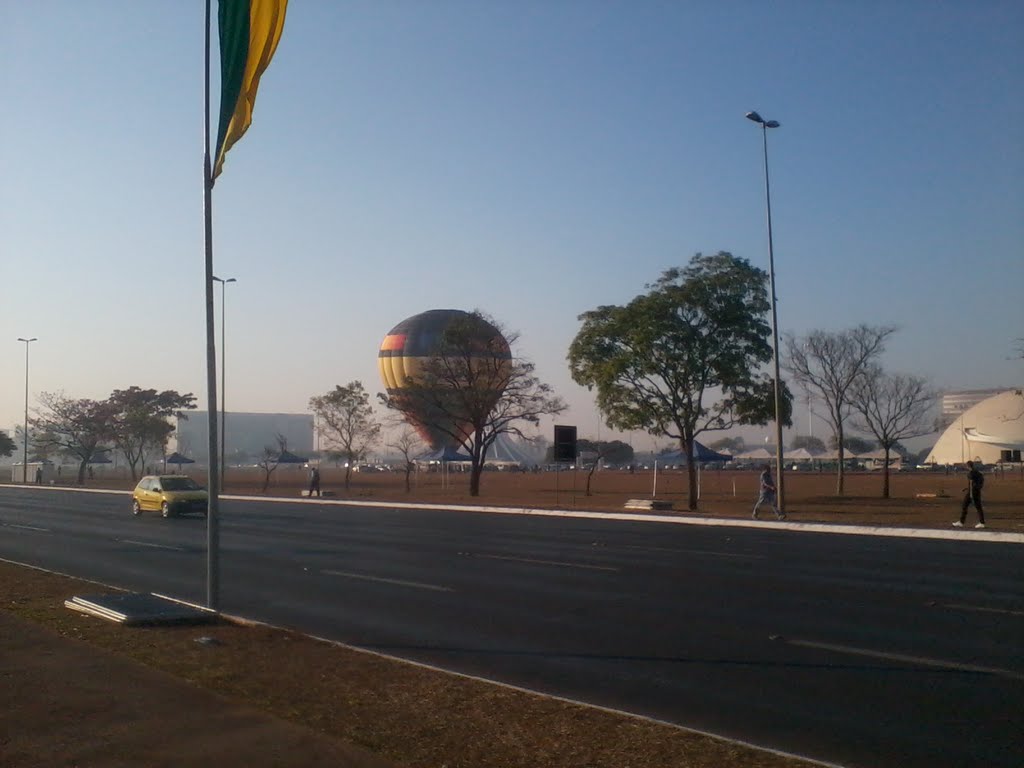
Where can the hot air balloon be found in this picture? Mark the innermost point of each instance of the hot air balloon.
(436, 407)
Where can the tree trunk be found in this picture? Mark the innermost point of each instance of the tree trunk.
(408, 471)
(590, 474)
(840, 482)
(474, 480)
(81, 472)
(348, 473)
(691, 474)
(885, 476)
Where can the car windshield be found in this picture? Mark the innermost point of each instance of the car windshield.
(178, 484)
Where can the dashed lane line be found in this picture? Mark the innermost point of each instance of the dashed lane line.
(533, 561)
(907, 659)
(149, 544)
(397, 582)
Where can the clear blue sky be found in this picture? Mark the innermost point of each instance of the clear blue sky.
(531, 159)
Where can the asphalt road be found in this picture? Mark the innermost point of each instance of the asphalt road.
(854, 650)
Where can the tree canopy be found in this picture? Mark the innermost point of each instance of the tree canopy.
(78, 428)
(656, 362)
(347, 422)
(141, 420)
(7, 445)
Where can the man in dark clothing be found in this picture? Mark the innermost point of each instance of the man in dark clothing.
(314, 481)
(972, 493)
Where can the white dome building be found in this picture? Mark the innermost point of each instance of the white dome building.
(983, 432)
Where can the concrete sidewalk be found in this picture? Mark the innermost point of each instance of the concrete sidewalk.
(65, 703)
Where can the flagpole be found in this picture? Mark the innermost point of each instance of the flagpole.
(213, 479)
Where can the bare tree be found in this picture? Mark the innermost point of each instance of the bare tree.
(408, 443)
(347, 422)
(892, 407)
(77, 428)
(471, 390)
(829, 365)
(270, 459)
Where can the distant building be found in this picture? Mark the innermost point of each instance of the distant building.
(247, 434)
(989, 432)
(956, 403)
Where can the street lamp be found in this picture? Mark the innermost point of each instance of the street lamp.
(223, 355)
(765, 125)
(24, 435)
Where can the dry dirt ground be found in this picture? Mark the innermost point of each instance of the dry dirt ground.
(398, 713)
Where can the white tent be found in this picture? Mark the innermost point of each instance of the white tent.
(758, 454)
(800, 454)
(834, 455)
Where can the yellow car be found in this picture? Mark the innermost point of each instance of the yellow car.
(169, 495)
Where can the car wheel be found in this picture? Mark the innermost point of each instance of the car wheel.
(165, 509)
(136, 509)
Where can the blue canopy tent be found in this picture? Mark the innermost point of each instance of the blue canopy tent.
(448, 453)
(701, 454)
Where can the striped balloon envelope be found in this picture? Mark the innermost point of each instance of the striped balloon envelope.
(418, 339)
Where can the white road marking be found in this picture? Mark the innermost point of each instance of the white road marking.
(147, 544)
(920, 660)
(546, 562)
(399, 582)
(980, 608)
(26, 527)
(696, 552)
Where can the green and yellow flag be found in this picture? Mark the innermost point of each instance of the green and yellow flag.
(249, 32)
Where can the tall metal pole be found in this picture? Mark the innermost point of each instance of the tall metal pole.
(223, 373)
(212, 525)
(24, 434)
(779, 477)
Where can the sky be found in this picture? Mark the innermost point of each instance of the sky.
(532, 159)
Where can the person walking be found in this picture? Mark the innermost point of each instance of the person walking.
(314, 481)
(972, 493)
(767, 494)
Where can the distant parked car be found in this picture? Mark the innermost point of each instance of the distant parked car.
(169, 495)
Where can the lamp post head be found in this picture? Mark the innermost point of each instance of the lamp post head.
(758, 119)
(222, 280)
(28, 340)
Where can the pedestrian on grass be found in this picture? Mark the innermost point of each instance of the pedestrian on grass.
(972, 494)
(767, 494)
(39, 475)
(314, 481)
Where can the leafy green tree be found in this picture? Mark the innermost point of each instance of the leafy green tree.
(829, 365)
(474, 391)
(77, 428)
(347, 422)
(892, 407)
(141, 420)
(7, 445)
(655, 361)
(810, 442)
